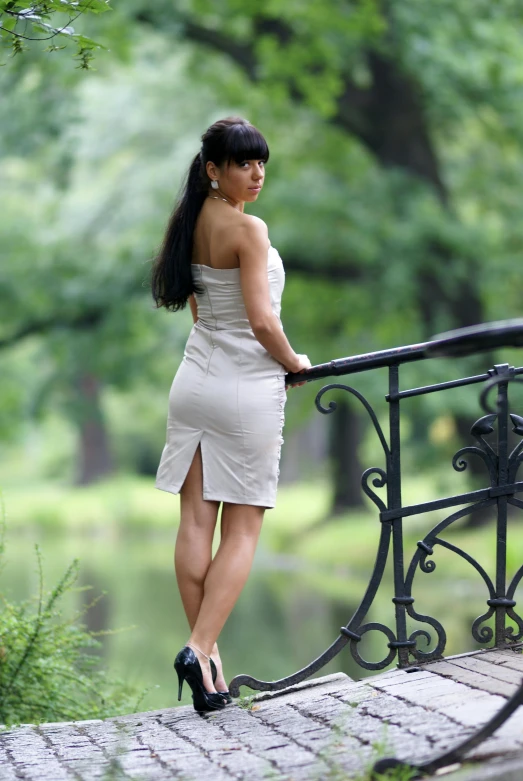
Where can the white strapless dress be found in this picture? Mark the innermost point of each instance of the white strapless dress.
(228, 395)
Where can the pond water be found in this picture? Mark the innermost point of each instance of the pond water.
(288, 613)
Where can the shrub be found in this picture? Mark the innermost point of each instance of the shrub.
(47, 669)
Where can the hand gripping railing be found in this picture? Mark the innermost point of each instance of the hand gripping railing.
(491, 444)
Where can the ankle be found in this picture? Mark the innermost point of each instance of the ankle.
(201, 647)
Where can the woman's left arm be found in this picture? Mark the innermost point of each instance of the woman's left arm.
(194, 308)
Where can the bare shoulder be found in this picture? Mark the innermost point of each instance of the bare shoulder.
(255, 224)
(252, 232)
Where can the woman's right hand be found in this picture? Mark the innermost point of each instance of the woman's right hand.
(302, 364)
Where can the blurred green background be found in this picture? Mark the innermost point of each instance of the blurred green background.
(393, 194)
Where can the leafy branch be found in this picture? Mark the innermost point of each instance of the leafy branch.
(20, 22)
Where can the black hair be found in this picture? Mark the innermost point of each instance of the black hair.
(229, 140)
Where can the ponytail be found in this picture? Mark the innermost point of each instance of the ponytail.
(227, 140)
(172, 281)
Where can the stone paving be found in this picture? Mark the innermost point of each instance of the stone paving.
(327, 728)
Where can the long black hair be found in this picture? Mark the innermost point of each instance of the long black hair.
(228, 140)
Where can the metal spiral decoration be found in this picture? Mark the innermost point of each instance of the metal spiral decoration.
(495, 382)
(374, 627)
(489, 435)
(378, 482)
(333, 406)
(421, 560)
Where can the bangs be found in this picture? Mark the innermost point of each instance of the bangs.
(245, 142)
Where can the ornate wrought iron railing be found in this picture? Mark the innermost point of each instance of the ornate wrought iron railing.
(489, 442)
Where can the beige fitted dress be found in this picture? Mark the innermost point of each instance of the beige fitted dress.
(228, 395)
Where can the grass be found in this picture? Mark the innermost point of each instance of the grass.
(132, 502)
(400, 773)
(125, 501)
(246, 701)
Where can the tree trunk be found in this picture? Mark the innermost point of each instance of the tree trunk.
(95, 460)
(97, 615)
(345, 438)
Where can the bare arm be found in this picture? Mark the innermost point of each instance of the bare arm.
(194, 308)
(252, 252)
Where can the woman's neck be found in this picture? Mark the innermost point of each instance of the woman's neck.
(219, 196)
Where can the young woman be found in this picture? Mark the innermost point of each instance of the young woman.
(226, 404)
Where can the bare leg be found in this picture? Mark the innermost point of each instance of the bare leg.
(226, 577)
(193, 550)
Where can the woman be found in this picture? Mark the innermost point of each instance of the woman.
(226, 404)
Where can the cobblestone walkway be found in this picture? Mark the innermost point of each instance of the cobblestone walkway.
(328, 728)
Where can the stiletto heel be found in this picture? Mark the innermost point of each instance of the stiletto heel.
(188, 668)
(180, 684)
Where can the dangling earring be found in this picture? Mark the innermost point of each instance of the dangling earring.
(214, 184)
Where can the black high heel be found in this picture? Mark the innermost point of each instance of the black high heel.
(188, 668)
(225, 694)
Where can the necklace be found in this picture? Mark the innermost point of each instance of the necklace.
(219, 198)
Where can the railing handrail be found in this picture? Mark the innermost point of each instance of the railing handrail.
(457, 343)
(412, 634)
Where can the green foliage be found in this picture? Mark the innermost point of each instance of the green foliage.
(381, 748)
(399, 773)
(246, 701)
(70, 247)
(47, 669)
(48, 22)
(457, 59)
(128, 503)
(86, 195)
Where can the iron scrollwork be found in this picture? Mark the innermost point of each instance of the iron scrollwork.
(502, 470)
(483, 449)
(355, 629)
(428, 639)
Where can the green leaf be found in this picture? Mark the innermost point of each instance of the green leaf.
(93, 6)
(87, 43)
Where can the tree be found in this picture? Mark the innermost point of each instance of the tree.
(85, 201)
(400, 78)
(386, 231)
(48, 22)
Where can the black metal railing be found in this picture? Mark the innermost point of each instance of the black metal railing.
(489, 442)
